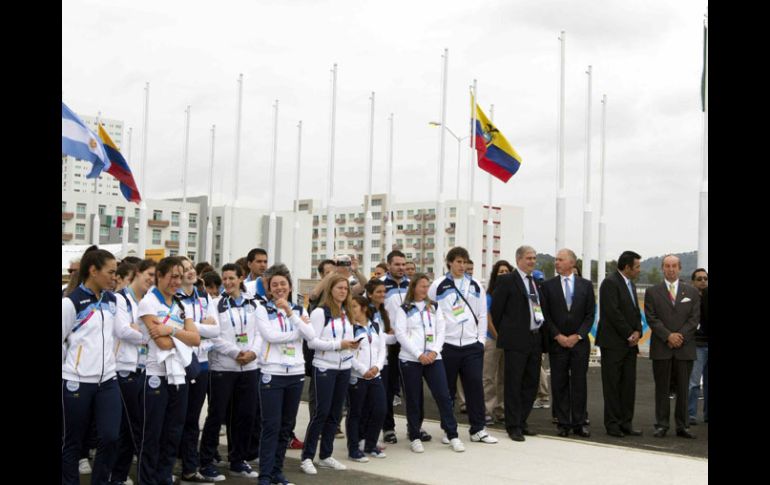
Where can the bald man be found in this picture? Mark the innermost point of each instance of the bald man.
(672, 309)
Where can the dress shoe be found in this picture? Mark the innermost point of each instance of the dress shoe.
(583, 431)
(516, 435)
(684, 433)
(527, 432)
(563, 432)
(660, 432)
(631, 432)
(615, 433)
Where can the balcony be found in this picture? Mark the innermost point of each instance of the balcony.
(429, 232)
(353, 234)
(411, 232)
(427, 260)
(315, 223)
(358, 220)
(340, 220)
(429, 246)
(67, 216)
(158, 223)
(418, 217)
(430, 217)
(172, 244)
(416, 245)
(358, 247)
(66, 236)
(450, 230)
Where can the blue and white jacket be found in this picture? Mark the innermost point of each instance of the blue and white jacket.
(327, 344)
(131, 344)
(87, 326)
(281, 350)
(419, 329)
(462, 327)
(371, 349)
(395, 293)
(238, 332)
(199, 306)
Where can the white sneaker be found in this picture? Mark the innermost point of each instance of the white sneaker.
(308, 467)
(457, 445)
(332, 463)
(377, 454)
(444, 440)
(222, 430)
(417, 447)
(483, 437)
(128, 481)
(84, 468)
(361, 459)
(381, 445)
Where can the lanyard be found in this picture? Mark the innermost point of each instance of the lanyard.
(200, 305)
(460, 291)
(430, 322)
(93, 310)
(368, 329)
(334, 332)
(132, 293)
(240, 316)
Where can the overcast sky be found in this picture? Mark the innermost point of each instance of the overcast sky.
(646, 56)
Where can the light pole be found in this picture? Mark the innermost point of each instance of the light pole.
(459, 152)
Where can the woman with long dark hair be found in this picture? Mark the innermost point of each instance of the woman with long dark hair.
(494, 358)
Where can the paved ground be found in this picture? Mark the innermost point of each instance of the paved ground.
(544, 459)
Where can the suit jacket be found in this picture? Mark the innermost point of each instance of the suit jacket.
(665, 317)
(577, 320)
(619, 314)
(511, 314)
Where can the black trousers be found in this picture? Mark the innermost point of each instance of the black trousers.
(522, 376)
(618, 387)
(666, 373)
(569, 384)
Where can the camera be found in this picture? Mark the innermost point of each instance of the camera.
(343, 261)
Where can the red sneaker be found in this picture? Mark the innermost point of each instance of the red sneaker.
(296, 444)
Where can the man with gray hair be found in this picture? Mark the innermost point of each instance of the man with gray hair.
(518, 317)
(569, 308)
(672, 309)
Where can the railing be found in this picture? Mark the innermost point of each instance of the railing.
(429, 232)
(157, 223)
(429, 246)
(358, 220)
(450, 230)
(172, 244)
(430, 217)
(66, 216)
(66, 236)
(418, 217)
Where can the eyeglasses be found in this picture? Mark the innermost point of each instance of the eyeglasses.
(702, 278)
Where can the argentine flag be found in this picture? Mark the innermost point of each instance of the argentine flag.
(78, 141)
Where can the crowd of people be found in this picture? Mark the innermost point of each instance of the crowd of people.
(146, 344)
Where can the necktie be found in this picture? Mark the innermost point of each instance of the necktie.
(671, 293)
(532, 292)
(568, 293)
(631, 290)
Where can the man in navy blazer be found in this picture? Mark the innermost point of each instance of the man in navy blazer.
(569, 308)
(617, 335)
(517, 316)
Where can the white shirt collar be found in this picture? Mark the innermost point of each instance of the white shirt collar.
(523, 274)
(624, 277)
(571, 278)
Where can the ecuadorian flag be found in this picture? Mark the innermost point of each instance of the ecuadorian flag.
(496, 155)
(119, 169)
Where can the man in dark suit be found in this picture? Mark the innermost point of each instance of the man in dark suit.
(617, 335)
(672, 309)
(517, 316)
(569, 308)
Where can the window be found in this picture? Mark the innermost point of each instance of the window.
(323, 244)
(376, 202)
(323, 232)
(104, 231)
(452, 241)
(136, 213)
(62, 226)
(431, 211)
(193, 221)
(175, 235)
(219, 223)
(315, 219)
(400, 214)
(80, 231)
(192, 239)
(376, 215)
(191, 255)
(120, 211)
(135, 234)
(81, 211)
(323, 219)
(375, 258)
(216, 261)
(157, 215)
(452, 211)
(376, 229)
(156, 236)
(102, 210)
(431, 226)
(173, 252)
(375, 243)
(304, 206)
(175, 219)
(63, 205)
(410, 213)
(218, 242)
(410, 227)
(399, 227)
(400, 242)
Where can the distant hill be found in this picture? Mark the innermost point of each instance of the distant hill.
(689, 263)
(545, 262)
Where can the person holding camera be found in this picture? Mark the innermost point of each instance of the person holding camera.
(347, 266)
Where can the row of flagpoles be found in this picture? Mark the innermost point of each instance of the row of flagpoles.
(487, 147)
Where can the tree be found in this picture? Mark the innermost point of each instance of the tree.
(654, 277)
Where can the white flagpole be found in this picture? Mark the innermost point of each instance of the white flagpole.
(96, 222)
(440, 232)
(230, 242)
(561, 197)
(602, 263)
(183, 212)
(330, 222)
(295, 231)
(472, 165)
(209, 224)
(367, 266)
(703, 226)
(272, 222)
(126, 225)
(587, 215)
(490, 224)
(143, 204)
(389, 223)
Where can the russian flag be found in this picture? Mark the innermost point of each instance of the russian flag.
(496, 155)
(119, 168)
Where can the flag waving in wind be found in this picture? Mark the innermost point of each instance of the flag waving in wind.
(496, 155)
(119, 168)
(78, 141)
